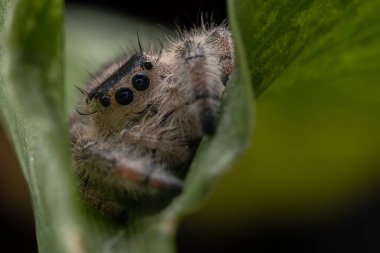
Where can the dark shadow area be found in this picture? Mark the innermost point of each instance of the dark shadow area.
(356, 230)
(183, 13)
(17, 232)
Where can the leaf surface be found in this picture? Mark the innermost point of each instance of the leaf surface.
(315, 68)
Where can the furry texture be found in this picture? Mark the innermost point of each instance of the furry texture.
(131, 158)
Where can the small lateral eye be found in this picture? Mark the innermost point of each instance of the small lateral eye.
(140, 81)
(105, 101)
(124, 96)
(148, 65)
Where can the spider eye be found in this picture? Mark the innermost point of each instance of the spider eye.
(124, 96)
(148, 65)
(105, 101)
(140, 81)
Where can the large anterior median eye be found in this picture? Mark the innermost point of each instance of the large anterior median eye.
(124, 96)
(140, 81)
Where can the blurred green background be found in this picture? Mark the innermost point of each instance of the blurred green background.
(309, 181)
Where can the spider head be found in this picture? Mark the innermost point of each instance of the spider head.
(124, 94)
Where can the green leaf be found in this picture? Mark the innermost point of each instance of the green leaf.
(315, 66)
(34, 110)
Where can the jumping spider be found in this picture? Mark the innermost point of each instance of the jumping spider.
(142, 120)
